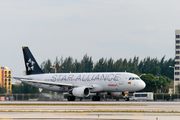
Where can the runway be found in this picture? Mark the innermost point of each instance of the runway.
(90, 116)
(90, 110)
(93, 102)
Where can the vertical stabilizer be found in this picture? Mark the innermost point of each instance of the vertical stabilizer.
(30, 63)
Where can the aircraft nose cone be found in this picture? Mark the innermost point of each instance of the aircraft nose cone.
(142, 85)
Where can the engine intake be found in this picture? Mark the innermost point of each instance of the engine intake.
(81, 92)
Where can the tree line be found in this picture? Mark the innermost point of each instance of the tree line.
(159, 84)
(145, 66)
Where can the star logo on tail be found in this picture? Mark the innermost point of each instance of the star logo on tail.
(30, 65)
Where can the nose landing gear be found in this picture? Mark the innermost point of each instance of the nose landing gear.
(125, 95)
(126, 98)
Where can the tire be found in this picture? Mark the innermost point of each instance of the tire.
(96, 98)
(126, 99)
(71, 98)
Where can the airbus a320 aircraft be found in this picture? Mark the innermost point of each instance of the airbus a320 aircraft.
(80, 84)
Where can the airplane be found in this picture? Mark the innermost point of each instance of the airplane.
(80, 85)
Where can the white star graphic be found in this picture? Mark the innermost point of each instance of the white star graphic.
(30, 65)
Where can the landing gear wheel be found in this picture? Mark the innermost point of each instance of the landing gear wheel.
(96, 98)
(71, 98)
(126, 98)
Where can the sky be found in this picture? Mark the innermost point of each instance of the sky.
(98, 28)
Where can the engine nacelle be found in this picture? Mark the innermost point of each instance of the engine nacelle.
(81, 92)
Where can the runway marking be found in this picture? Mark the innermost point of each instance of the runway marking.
(138, 115)
(94, 107)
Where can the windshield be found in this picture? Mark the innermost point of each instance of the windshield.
(134, 78)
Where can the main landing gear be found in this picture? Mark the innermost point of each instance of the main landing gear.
(71, 98)
(96, 98)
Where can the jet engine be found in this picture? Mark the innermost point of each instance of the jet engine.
(81, 92)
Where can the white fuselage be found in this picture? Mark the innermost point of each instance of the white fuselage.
(100, 82)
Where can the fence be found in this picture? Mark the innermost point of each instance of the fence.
(32, 97)
(61, 97)
(166, 97)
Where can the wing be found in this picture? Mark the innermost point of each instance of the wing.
(50, 83)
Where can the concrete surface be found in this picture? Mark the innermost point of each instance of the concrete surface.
(89, 110)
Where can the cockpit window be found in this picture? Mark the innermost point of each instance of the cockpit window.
(134, 78)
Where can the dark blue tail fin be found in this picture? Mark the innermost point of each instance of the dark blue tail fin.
(30, 63)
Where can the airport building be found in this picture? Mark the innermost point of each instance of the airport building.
(5, 79)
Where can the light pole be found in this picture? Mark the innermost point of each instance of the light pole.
(142, 75)
(55, 70)
(54, 67)
(174, 78)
